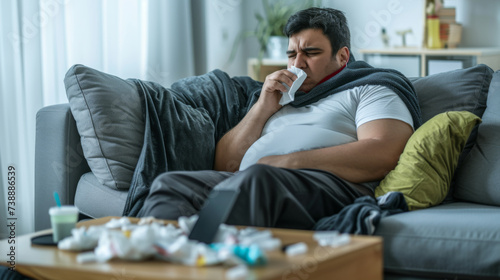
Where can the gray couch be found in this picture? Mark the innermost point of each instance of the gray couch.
(458, 239)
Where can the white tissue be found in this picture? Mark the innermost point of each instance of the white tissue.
(331, 238)
(296, 249)
(237, 272)
(187, 223)
(118, 223)
(81, 238)
(121, 239)
(289, 95)
(86, 257)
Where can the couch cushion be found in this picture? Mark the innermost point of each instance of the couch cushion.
(457, 90)
(428, 162)
(455, 239)
(109, 118)
(478, 178)
(96, 200)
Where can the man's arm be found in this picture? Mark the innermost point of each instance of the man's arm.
(377, 151)
(232, 146)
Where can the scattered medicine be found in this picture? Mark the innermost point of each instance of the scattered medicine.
(295, 249)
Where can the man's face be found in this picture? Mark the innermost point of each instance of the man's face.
(310, 50)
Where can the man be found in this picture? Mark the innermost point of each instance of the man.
(327, 151)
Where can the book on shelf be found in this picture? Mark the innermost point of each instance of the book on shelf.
(454, 35)
(452, 11)
(446, 15)
(447, 19)
(450, 32)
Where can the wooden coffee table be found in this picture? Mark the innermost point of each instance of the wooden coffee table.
(361, 259)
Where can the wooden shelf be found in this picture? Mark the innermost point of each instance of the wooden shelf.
(437, 52)
(488, 55)
(267, 66)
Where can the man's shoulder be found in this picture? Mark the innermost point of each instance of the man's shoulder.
(370, 89)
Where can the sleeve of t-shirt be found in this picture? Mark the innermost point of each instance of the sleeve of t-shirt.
(380, 102)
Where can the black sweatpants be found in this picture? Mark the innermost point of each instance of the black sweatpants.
(269, 196)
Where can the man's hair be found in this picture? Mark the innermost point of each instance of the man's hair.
(332, 22)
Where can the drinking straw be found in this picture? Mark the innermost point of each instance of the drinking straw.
(58, 201)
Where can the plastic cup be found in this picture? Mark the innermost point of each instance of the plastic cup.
(63, 219)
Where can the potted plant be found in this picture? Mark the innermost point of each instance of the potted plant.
(269, 29)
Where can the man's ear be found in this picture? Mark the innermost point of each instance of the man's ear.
(343, 56)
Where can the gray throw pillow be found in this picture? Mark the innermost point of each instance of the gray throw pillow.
(478, 178)
(109, 118)
(457, 90)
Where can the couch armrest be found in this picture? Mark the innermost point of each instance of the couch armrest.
(59, 160)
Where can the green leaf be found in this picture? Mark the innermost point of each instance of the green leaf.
(259, 17)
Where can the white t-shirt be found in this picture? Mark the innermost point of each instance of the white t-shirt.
(328, 122)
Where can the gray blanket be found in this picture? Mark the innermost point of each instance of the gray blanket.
(364, 215)
(183, 124)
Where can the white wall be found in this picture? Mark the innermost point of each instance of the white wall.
(480, 20)
(223, 22)
(367, 18)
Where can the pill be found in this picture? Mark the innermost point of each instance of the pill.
(237, 272)
(86, 257)
(295, 249)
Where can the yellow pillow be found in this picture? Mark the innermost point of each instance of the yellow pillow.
(427, 164)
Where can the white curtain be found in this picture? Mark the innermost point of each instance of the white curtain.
(41, 39)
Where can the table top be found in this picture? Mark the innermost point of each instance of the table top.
(47, 262)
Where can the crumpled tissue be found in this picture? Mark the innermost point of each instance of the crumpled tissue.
(331, 238)
(150, 238)
(289, 95)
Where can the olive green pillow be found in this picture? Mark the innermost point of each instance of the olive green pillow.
(427, 164)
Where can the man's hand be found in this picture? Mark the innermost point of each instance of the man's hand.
(233, 145)
(270, 94)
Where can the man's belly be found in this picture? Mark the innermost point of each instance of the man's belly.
(291, 139)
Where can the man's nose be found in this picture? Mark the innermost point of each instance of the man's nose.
(300, 61)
